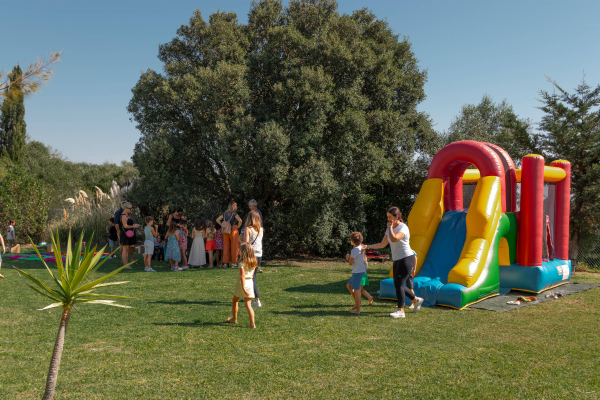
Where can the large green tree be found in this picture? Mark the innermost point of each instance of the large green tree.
(12, 119)
(571, 131)
(495, 123)
(312, 113)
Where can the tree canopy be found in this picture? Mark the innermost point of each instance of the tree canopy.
(495, 123)
(570, 129)
(312, 113)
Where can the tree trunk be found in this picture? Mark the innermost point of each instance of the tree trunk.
(57, 355)
(573, 250)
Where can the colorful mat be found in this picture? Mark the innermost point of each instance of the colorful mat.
(49, 257)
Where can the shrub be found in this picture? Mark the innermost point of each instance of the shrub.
(24, 199)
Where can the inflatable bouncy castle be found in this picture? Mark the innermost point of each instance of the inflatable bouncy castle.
(499, 241)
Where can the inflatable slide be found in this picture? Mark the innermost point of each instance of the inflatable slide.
(467, 255)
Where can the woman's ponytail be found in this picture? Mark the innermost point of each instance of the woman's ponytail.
(395, 211)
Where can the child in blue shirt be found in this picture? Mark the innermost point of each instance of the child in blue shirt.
(357, 261)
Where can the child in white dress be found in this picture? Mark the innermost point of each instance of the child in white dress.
(197, 253)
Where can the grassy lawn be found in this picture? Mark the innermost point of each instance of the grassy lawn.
(174, 343)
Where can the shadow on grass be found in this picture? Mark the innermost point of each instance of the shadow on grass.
(320, 310)
(331, 287)
(197, 323)
(376, 304)
(186, 302)
(308, 314)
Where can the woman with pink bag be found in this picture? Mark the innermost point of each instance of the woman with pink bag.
(230, 223)
(127, 236)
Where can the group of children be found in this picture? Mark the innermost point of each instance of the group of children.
(174, 248)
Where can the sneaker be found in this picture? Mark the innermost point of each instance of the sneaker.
(175, 269)
(113, 256)
(149, 269)
(397, 314)
(256, 303)
(418, 304)
(185, 267)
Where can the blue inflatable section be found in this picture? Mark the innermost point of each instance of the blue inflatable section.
(442, 257)
(535, 279)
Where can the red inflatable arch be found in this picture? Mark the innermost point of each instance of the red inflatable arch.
(510, 178)
(450, 163)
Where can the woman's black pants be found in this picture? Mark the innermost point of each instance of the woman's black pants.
(258, 259)
(402, 270)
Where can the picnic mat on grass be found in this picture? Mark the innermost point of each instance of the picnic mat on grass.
(498, 303)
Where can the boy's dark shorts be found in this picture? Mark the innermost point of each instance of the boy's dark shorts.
(410, 282)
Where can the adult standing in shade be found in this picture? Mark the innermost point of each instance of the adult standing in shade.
(117, 221)
(177, 216)
(253, 206)
(127, 237)
(230, 223)
(398, 236)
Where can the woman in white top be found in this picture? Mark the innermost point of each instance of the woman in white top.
(398, 236)
(253, 234)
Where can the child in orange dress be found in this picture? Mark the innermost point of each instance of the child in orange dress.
(209, 234)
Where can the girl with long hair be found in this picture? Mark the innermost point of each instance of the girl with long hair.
(198, 252)
(253, 234)
(209, 234)
(172, 252)
(230, 223)
(244, 287)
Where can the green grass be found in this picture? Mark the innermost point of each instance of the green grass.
(174, 343)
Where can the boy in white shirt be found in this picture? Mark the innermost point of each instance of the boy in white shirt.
(356, 259)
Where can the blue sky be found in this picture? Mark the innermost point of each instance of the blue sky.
(469, 48)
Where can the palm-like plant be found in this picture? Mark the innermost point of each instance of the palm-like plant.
(73, 287)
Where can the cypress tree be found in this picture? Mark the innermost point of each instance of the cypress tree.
(12, 119)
